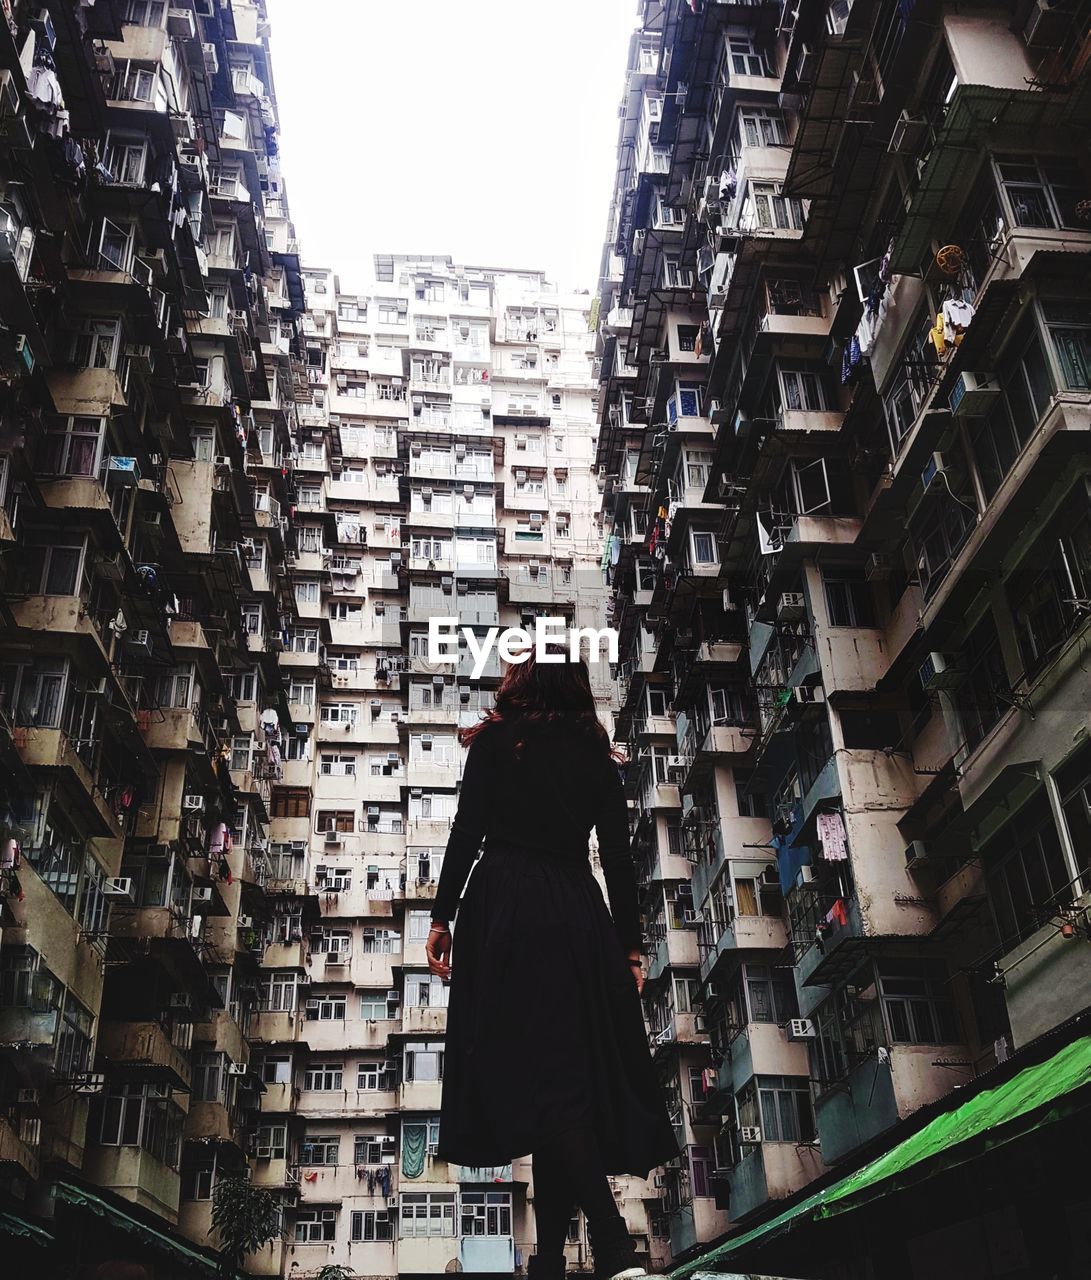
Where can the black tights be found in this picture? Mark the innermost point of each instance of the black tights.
(568, 1171)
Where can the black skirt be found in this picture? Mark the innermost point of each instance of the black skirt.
(544, 1023)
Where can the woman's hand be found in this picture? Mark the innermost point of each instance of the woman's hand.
(637, 966)
(438, 951)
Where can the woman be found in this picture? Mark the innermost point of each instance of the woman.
(546, 1050)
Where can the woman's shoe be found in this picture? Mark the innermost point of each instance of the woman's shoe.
(613, 1251)
(540, 1267)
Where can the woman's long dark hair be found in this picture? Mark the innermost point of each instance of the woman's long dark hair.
(546, 693)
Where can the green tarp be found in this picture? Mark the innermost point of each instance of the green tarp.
(14, 1227)
(183, 1254)
(1034, 1097)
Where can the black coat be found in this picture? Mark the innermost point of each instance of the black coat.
(544, 1024)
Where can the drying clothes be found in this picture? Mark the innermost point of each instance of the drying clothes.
(831, 837)
(957, 315)
(851, 360)
(217, 838)
(884, 265)
(837, 913)
(874, 299)
(728, 184)
(9, 855)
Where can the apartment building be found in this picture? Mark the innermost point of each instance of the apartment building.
(149, 330)
(445, 469)
(843, 351)
(233, 494)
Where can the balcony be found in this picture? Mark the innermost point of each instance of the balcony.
(142, 1051)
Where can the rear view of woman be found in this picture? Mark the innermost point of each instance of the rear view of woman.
(546, 1052)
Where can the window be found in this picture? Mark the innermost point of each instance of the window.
(1070, 333)
(144, 13)
(1026, 390)
(1040, 193)
(274, 1139)
(321, 1149)
(703, 547)
(1026, 870)
(770, 992)
(687, 337)
(278, 993)
(290, 802)
(378, 1006)
(983, 696)
(340, 820)
(912, 379)
(1049, 590)
(848, 598)
(274, 1070)
(427, 1213)
(746, 60)
(424, 1060)
(486, 1213)
(324, 1076)
(917, 1003)
(312, 1226)
(139, 1114)
(370, 1224)
(761, 128)
(73, 446)
(375, 1076)
(326, 1009)
(768, 209)
(786, 1111)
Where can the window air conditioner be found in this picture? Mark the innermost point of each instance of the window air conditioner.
(118, 887)
(808, 695)
(942, 671)
(246, 922)
(373, 811)
(879, 567)
(237, 1069)
(791, 607)
(973, 395)
(202, 893)
(909, 135)
(801, 1029)
(916, 855)
(750, 1135)
(392, 1202)
(264, 1153)
(192, 804)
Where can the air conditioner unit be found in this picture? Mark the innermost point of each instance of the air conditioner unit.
(791, 607)
(936, 473)
(801, 1029)
(750, 1135)
(973, 395)
(192, 803)
(879, 567)
(222, 462)
(245, 922)
(535, 567)
(180, 24)
(123, 471)
(118, 887)
(373, 811)
(28, 1097)
(139, 353)
(392, 1202)
(659, 1181)
(942, 671)
(140, 642)
(916, 855)
(237, 1069)
(203, 893)
(690, 916)
(263, 1153)
(9, 95)
(808, 695)
(1047, 24)
(332, 836)
(910, 133)
(97, 687)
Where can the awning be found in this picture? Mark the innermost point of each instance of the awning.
(12, 1227)
(194, 1260)
(1036, 1096)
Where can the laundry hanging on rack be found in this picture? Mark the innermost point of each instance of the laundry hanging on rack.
(831, 837)
(851, 361)
(957, 316)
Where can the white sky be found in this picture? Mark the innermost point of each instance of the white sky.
(484, 129)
